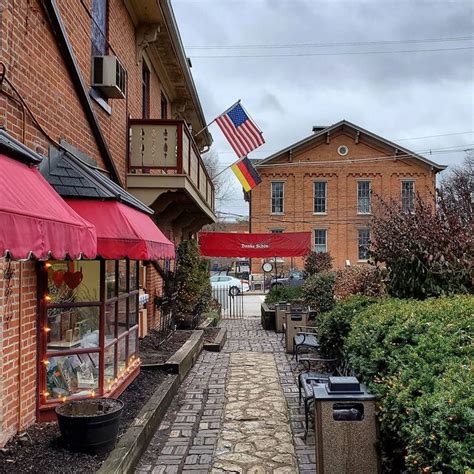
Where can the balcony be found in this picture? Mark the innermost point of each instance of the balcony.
(166, 172)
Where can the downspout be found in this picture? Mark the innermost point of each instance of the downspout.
(20, 347)
(59, 31)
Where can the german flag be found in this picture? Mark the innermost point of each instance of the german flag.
(246, 174)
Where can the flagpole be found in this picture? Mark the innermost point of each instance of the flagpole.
(229, 166)
(223, 113)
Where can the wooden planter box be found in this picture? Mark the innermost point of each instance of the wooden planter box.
(268, 317)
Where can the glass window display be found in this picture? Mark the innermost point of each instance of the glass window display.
(89, 330)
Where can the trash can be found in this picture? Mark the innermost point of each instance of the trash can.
(294, 319)
(281, 308)
(346, 428)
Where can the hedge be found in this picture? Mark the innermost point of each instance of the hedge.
(282, 293)
(416, 357)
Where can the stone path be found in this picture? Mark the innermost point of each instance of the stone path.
(194, 434)
(256, 435)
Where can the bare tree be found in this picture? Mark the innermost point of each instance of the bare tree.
(219, 178)
(457, 188)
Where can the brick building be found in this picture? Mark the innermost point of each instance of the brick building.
(325, 184)
(97, 88)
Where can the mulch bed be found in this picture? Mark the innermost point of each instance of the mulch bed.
(153, 350)
(210, 334)
(40, 450)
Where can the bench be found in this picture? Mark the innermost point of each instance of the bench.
(305, 338)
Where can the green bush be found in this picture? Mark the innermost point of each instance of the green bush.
(416, 357)
(318, 292)
(335, 325)
(192, 279)
(282, 293)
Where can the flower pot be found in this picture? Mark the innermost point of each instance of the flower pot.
(91, 425)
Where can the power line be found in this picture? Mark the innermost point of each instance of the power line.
(345, 53)
(331, 45)
(395, 139)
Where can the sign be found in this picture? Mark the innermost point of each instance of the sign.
(267, 267)
(286, 244)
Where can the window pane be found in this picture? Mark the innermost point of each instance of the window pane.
(363, 197)
(320, 240)
(364, 237)
(133, 310)
(133, 344)
(408, 195)
(73, 282)
(320, 195)
(76, 374)
(122, 315)
(72, 328)
(110, 321)
(122, 276)
(122, 356)
(99, 27)
(133, 275)
(109, 365)
(110, 279)
(277, 197)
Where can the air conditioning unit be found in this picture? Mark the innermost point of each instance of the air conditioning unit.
(108, 75)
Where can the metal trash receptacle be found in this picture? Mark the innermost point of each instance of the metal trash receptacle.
(346, 428)
(294, 319)
(280, 314)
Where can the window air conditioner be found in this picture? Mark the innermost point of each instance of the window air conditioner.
(108, 75)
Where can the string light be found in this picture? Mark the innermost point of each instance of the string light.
(46, 362)
(46, 329)
(46, 394)
(48, 265)
(47, 298)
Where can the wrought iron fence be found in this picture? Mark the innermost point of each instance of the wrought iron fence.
(231, 300)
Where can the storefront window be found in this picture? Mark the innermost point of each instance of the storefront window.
(89, 336)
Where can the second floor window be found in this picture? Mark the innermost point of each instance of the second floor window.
(99, 27)
(320, 240)
(363, 244)
(363, 197)
(408, 196)
(320, 196)
(276, 231)
(277, 197)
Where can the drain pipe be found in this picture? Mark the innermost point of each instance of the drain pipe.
(20, 346)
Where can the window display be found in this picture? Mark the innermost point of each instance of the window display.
(89, 337)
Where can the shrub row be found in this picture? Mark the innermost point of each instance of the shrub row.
(416, 357)
(281, 293)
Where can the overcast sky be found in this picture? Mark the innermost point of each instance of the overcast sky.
(398, 95)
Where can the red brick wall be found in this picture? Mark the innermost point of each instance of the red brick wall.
(341, 220)
(17, 335)
(34, 65)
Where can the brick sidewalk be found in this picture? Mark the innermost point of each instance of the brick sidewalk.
(187, 439)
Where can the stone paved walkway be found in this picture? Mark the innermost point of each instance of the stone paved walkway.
(195, 435)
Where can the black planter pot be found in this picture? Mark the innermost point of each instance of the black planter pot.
(90, 426)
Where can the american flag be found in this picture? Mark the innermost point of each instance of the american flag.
(239, 129)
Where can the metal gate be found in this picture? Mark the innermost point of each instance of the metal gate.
(231, 301)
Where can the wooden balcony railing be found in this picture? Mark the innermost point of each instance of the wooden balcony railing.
(167, 147)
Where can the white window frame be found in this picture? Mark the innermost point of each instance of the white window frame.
(320, 213)
(364, 213)
(325, 240)
(365, 229)
(282, 198)
(402, 182)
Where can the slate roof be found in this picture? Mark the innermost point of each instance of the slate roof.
(75, 176)
(15, 149)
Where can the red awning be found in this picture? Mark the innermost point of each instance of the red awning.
(221, 244)
(35, 221)
(122, 231)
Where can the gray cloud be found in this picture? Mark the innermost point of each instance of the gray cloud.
(394, 95)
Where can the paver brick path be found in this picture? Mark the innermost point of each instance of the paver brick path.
(196, 434)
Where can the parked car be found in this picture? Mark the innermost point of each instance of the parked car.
(234, 285)
(294, 278)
